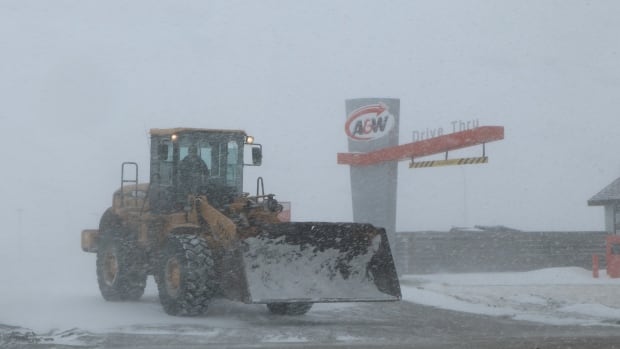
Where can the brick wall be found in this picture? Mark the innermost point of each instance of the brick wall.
(491, 251)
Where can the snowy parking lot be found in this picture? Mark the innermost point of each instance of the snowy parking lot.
(556, 296)
(54, 298)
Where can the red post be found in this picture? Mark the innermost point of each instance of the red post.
(595, 266)
(612, 255)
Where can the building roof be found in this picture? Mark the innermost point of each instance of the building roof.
(609, 194)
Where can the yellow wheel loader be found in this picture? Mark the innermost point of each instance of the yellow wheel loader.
(194, 229)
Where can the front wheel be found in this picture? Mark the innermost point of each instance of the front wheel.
(289, 308)
(186, 278)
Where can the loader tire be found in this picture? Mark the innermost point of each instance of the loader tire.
(120, 269)
(289, 308)
(186, 278)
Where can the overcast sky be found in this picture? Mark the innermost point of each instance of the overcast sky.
(81, 82)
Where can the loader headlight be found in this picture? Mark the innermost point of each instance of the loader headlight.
(249, 140)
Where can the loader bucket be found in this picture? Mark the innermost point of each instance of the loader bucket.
(313, 262)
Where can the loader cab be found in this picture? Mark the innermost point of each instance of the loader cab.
(195, 161)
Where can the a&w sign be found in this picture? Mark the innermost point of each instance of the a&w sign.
(369, 122)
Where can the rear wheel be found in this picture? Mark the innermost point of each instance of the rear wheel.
(289, 308)
(120, 271)
(186, 278)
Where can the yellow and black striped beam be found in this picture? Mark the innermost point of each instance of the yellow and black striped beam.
(450, 162)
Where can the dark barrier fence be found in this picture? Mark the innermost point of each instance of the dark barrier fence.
(493, 251)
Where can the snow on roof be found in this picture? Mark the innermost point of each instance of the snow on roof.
(609, 194)
(170, 131)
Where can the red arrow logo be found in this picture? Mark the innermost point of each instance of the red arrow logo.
(363, 128)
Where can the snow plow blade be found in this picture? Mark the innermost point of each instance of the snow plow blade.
(313, 262)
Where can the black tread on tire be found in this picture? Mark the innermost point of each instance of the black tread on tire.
(121, 272)
(186, 278)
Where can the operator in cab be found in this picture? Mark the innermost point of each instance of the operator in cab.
(193, 171)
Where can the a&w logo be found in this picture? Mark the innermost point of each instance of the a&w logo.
(369, 122)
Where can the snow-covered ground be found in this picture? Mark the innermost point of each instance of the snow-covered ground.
(558, 296)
